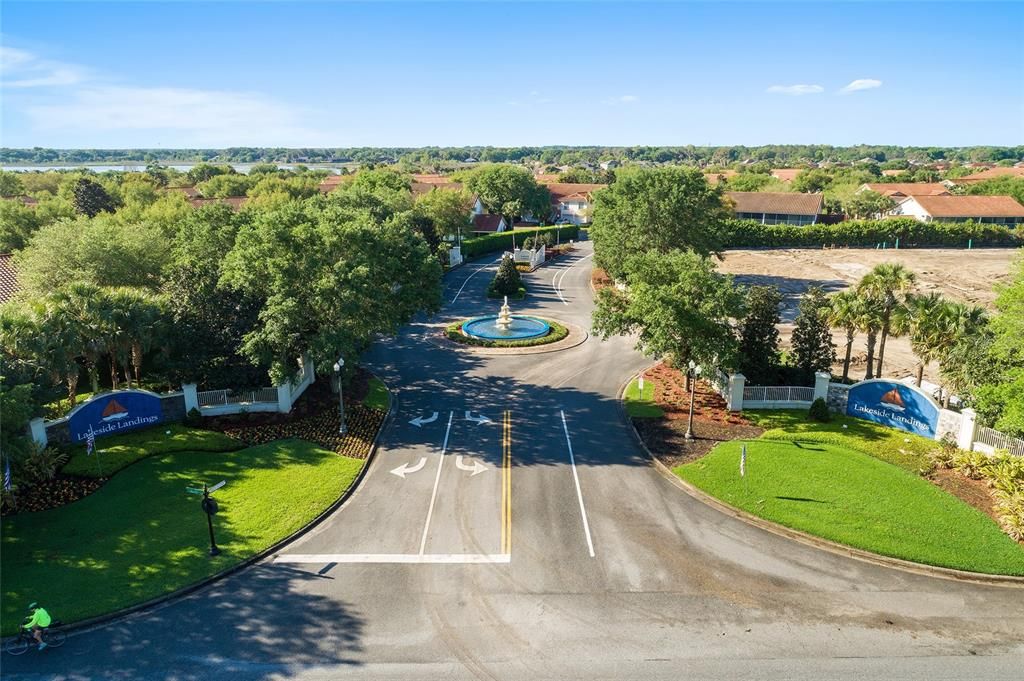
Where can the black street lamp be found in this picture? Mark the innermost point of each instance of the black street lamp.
(692, 374)
(342, 429)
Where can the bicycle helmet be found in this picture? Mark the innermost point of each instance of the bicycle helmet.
(33, 605)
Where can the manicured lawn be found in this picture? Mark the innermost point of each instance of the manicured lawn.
(377, 395)
(118, 451)
(642, 406)
(855, 499)
(906, 450)
(141, 535)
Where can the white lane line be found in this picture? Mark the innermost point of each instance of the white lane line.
(482, 267)
(437, 479)
(579, 492)
(561, 277)
(439, 558)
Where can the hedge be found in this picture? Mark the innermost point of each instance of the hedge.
(557, 333)
(868, 233)
(502, 241)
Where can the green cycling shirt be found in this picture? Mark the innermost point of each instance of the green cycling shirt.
(40, 618)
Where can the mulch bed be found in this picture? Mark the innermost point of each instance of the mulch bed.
(973, 492)
(599, 279)
(51, 494)
(313, 418)
(712, 421)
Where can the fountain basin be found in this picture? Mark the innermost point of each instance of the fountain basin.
(521, 327)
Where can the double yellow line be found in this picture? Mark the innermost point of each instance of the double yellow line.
(506, 484)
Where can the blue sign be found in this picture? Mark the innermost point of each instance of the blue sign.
(115, 412)
(895, 405)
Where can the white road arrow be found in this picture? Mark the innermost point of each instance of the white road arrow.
(419, 420)
(479, 419)
(405, 468)
(477, 467)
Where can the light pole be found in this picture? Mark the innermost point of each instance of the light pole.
(341, 399)
(692, 374)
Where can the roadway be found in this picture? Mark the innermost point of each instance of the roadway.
(516, 531)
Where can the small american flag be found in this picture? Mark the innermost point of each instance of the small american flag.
(90, 442)
(743, 461)
(7, 475)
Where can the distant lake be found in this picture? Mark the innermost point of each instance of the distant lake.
(139, 167)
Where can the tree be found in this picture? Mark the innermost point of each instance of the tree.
(813, 349)
(506, 280)
(510, 190)
(759, 336)
(91, 199)
(658, 210)
(447, 210)
(868, 204)
(921, 316)
(202, 172)
(10, 184)
(356, 278)
(845, 310)
(869, 321)
(101, 250)
(225, 186)
(680, 307)
(888, 283)
(138, 315)
(812, 180)
(18, 223)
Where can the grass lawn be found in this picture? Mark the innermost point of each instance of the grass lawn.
(903, 449)
(852, 498)
(642, 406)
(377, 395)
(118, 451)
(141, 535)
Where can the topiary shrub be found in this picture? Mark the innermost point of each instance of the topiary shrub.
(507, 281)
(194, 418)
(819, 411)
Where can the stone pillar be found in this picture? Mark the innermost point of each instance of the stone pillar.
(37, 431)
(821, 380)
(191, 397)
(736, 383)
(968, 429)
(284, 398)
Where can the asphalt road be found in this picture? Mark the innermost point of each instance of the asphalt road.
(533, 540)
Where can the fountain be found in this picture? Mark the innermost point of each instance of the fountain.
(505, 326)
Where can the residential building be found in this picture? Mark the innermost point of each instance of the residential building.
(992, 174)
(995, 210)
(8, 278)
(571, 202)
(714, 178)
(488, 223)
(330, 183)
(901, 190)
(786, 174)
(777, 208)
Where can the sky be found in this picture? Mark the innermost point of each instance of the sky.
(341, 74)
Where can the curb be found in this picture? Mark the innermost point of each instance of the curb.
(809, 539)
(85, 625)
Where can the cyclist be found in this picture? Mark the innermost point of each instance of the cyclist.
(38, 622)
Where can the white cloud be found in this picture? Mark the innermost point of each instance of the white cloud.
(628, 98)
(219, 117)
(861, 84)
(795, 90)
(621, 99)
(22, 69)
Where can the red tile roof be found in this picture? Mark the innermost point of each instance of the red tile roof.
(970, 206)
(992, 173)
(486, 222)
(8, 278)
(712, 177)
(787, 203)
(560, 191)
(892, 172)
(898, 189)
(330, 183)
(190, 192)
(786, 174)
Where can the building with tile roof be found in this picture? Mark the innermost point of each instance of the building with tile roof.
(993, 210)
(901, 190)
(777, 208)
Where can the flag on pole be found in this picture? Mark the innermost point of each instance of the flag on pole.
(7, 475)
(90, 442)
(743, 461)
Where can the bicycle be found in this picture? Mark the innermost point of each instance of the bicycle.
(52, 636)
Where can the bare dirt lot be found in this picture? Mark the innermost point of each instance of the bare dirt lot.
(965, 275)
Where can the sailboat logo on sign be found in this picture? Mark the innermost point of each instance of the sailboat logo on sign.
(115, 411)
(894, 405)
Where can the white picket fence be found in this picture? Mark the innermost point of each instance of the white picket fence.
(996, 440)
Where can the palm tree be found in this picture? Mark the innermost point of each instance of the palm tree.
(957, 321)
(137, 314)
(870, 319)
(843, 311)
(922, 316)
(81, 302)
(886, 282)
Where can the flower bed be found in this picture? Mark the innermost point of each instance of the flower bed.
(51, 494)
(557, 333)
(321, 429)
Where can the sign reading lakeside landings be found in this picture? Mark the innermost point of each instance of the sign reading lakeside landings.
(115, 412)
(895, 405)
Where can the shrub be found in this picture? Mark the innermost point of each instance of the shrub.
(502, 241)
(1010, 509)
(507, 281)
(819, 411)
(868, 233)
(971, 464)
(944, 455)
(193, 418)
(43, 463)
(557, 333)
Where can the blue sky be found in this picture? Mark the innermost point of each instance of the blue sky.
(121, 74)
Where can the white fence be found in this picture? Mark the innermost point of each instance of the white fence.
(454, 256)
(276, 399)
(777, 393)
(719, 380)
(211, 398)
(530, 257)
(991, 438)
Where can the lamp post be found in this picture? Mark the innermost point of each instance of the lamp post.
(692, 375)
(341, 400)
